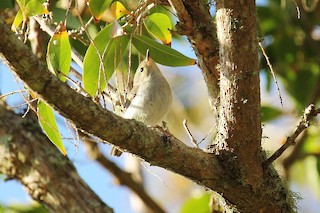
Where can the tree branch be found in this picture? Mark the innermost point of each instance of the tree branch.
(123, 178)
(130, 135)
(239, 121)
(308, 114)
(201, 33)
(27, 155)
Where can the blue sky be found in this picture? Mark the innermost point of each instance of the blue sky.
(96, 177)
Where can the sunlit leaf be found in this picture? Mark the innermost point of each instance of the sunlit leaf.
(97, 7)
(111, 59)
(269, 113)
(118, 10)
(160, 53)
(17, 21)
(111, 51)
(28, 8)
(201, 204)
(24, 208)
(59, 54)
(34, 7)
(22, 3)
(159, 25)
(92, 71)
(49, 125)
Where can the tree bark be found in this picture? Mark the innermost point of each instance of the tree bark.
(27, 155)
(197, 24)
(239, 133)
(261, 191)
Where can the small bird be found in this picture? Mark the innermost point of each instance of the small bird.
(150, 98)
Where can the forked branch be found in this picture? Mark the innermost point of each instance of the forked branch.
(309, 113)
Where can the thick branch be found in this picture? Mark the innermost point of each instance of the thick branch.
(27, 155)
(151, 145)
(130, 135)
(197, 24)
(239, 123)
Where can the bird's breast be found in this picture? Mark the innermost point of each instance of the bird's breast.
(151, 102)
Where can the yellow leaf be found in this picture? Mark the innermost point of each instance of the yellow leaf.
(118, 10)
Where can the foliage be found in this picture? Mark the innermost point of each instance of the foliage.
(292, 44)
(107, 48)
(16, 208)
(201, 204)
(111, 43)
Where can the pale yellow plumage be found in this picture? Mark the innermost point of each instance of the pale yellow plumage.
(150, 98)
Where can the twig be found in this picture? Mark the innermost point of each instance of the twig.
(72, 130)
(272, 72)
(76, 74)
(23, 104)
(75, 83)
(129, 84)
(74, 54)
(124, 178)
(308, 114)
(214, 126)
(35, 109)
(297, 8)
(193, 140)
(12, 93)
(295, 153)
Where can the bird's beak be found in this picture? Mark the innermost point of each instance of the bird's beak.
(148, 55)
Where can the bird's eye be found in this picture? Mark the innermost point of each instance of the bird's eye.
(141, 69)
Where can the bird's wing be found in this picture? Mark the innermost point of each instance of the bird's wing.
(130, 97)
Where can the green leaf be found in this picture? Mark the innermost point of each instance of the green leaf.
(111, 50)
(97, 7)
(25, 208)
(60, 16)
(159, 25)
(118, 10)
(200, 204)
(49, 125)
(28, 8)
(34, 7)
(160, 53)
(6, 4)
(59, 54)
(22, 3)
(17, 21)
(92, 61)
(269, 113)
